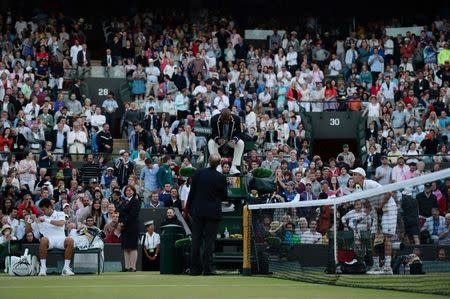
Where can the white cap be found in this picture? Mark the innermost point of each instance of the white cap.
(122, 151)
(5, 227)
(359, 170)
(150, 222)
(65, 205)
(407, 191)
(150, 60)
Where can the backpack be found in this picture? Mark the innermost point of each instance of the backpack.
(353, 267)
(25, 265)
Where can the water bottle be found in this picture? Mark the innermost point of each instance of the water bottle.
(407, 269)
(401, 270)
(226, 234)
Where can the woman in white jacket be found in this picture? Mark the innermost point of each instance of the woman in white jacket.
(250, 117)
(291, 59)
(280, 60)
(77, 140)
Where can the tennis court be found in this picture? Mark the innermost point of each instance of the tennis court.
(154, 285)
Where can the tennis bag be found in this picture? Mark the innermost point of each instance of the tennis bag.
(25, 265)
(353, 267)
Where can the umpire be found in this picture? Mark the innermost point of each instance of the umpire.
(204, 205)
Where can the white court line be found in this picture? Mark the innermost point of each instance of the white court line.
(102, 278)
(154, 286)
(111, 277)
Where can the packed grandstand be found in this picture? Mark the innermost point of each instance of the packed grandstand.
(59, 143)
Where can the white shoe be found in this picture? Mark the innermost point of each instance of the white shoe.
(387, 270)
(43, 271)
(67, 272)
(374, 270)
(234, 170)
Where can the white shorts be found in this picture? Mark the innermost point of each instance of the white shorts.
(388, 220)
(56, 242)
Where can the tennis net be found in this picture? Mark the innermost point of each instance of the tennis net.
(339, 236)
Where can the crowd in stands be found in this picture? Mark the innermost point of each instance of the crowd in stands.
(60, 146)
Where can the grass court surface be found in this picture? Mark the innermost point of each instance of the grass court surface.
(153, 285)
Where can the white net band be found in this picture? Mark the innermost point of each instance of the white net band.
(417, 181)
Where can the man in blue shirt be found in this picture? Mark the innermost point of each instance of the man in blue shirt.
(376, 64)
(148, 178)
(399, 119)
(182, 104)
(154, 201)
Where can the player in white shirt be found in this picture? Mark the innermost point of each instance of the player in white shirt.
(51, 226)
(386, 207)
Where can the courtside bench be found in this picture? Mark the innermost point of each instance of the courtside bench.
(96, 251)
(58, 254)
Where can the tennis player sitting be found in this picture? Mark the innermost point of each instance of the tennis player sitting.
(51, 226)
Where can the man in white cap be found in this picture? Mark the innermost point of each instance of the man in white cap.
(384, 215)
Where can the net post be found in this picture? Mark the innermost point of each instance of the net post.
(335, 235)
(246, 266)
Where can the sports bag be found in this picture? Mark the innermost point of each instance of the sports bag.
(25, 265)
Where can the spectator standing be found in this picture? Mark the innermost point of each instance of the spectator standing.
(27, 171)
(105, 140)
(110, 106)
(383, 172)
(90, 170)
(426, 201)
(77, 140)
(123, 168)
(348, 156)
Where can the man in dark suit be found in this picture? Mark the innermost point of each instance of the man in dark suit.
(204, 205)
(179, 79)
(109, 60)
(373, 160)
(105, 140)
(142, 135)
(76, 90)
(84, 61)
(141, 59)
(19, 144)
(9, 107)
(84, 57)
(151, 120)
(59, 140)
(226, 131)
